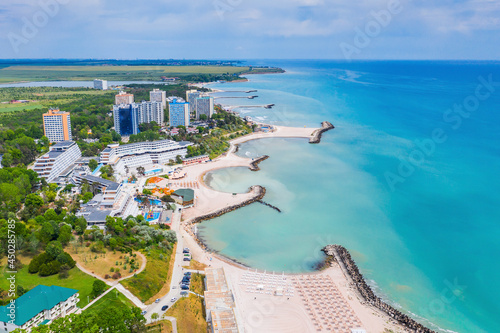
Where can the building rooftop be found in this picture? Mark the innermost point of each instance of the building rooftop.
(187, 194)
(110, 185)
(223, 321)
(35, 301)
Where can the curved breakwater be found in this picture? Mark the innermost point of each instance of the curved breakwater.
(254, 166)
(316, 136)
(260, 193)
(340, 255)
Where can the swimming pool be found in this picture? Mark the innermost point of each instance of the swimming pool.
(156, 216)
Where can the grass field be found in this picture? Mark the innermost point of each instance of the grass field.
(190, 315)
(85, 73)
(20, 107)
(113, 299)
(152, 279)
(76, 280)
(193, 264)
(197, 284)
(104, 261)
(163, 326)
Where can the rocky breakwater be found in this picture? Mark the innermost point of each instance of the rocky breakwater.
(340, 255)
(254, 166)
(260, 192)
(316, 136)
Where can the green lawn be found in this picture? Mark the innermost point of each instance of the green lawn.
(20, 107)
(85, 73)
(150, 281)
(76, 280)
(113, 299)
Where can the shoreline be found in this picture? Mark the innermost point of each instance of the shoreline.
(331, 276)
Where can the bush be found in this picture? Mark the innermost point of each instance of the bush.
(106, 276)
(63, 274)
(51, 268)
(116, 276)
(37, 262)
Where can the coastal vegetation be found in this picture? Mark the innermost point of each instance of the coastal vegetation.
(163, 326)
(113, 299)
(149, 282)
(118, 319)
(197, 285)
(190, 314)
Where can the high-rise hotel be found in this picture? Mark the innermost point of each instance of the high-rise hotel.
(57, 125)
(178, 113)
(157, 95)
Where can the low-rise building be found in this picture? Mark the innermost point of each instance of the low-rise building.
(196, 160)
(61, 156)
(38, 306)
(184, 197)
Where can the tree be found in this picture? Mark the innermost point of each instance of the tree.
(65, 234)
(47, 232)
(7, 160)
(154, 316)
(178, 159)
(54, 249)
(92, 164)
(203, 117)
(98, 287)
(141, 170)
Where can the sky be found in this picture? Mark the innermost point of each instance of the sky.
(250, 29)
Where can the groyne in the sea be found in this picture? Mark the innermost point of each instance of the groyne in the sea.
(260, 193)
(340, 255)
(316, 136)
(254, 166)
(269, 205)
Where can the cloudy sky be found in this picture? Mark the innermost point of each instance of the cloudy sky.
(245, 29)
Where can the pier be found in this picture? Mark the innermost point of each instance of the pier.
(269, 205)
(248, 97)
(265, 106)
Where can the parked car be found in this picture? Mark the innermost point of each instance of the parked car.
(187, 259)
(144, 312)
(157, 300)
(184, 287)
(165, 307)
(186, 250)
(173, 299)
(184, 293)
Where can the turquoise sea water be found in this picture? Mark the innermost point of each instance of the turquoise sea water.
(429, 242)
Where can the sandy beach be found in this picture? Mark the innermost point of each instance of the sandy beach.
(317, 302)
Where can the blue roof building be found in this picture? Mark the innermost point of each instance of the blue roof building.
(38, 306)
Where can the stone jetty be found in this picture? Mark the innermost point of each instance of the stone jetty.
(260, 193)
(316, 137)
(254, 166)
(269, 205)
(339, 254)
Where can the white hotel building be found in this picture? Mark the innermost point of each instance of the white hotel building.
(143, 154)
(61, 156)
(151, 111)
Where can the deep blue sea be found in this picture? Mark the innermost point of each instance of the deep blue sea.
(408, 182)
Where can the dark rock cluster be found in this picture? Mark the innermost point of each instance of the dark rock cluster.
(341, 254)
